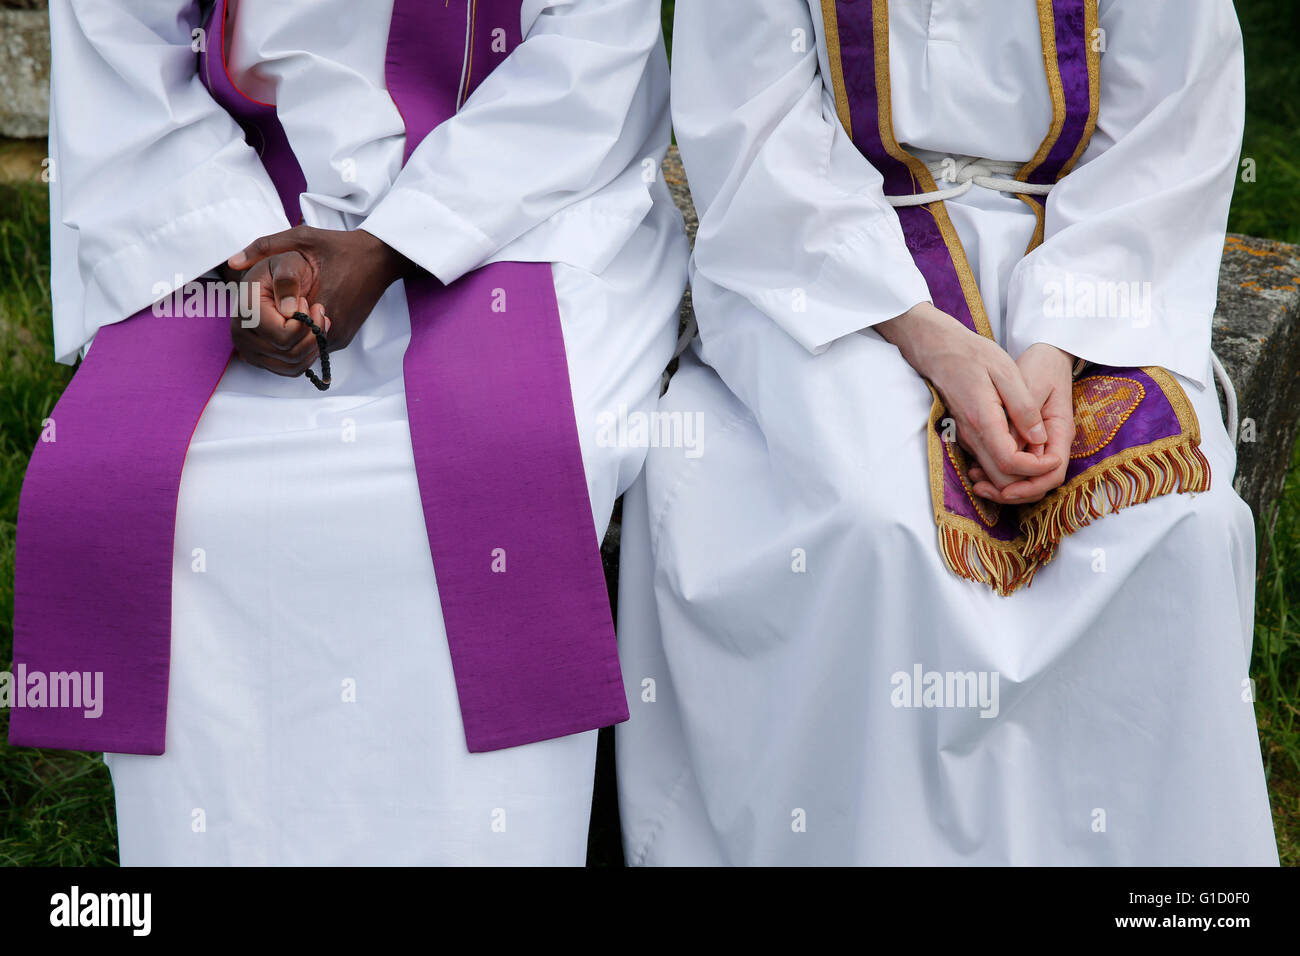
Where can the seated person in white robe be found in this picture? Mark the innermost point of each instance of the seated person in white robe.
(312, 710)
(825, 663)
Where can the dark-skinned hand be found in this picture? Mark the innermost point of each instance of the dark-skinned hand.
(341, 273)
(273, 340)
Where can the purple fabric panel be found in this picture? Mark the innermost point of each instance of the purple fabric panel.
(496, 448)
(422, 67)
(267, 138)
(1152, 420)
(920, 229)
(858, 64)
(933, 257)
(96, 521)
(1072, 60)
(494, 20)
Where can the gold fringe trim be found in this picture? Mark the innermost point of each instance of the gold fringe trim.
(1135, 478)
(1111, 487)
(974, 555)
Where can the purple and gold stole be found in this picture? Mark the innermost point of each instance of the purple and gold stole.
(492, 429)
(1137, 436)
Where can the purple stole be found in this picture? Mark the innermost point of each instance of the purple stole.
(1137, 435)
(495, 444)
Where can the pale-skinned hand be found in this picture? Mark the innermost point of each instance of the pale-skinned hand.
(998, 417)
(1047, 371)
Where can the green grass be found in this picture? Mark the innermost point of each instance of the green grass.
(56, 808)
(1270, 206)
(1276, 663)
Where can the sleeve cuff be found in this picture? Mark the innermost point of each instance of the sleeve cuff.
(865, 282)
(187, 247)
(1122, 324)
(429, 234)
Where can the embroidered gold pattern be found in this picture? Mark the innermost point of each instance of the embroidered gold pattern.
(1102, 404)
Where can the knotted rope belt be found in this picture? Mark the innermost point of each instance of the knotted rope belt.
(971, 171)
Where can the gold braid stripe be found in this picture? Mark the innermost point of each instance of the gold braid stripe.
(1092, 28)
(922, 181)
(831, 26)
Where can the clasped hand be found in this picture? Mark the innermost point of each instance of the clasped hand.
(335, 276)
(1014, 416)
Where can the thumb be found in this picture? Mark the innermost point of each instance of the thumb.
(264, 247)
(290, 280)
(1025, 414)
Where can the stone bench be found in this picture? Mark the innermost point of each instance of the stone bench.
(24, 68)
(1256, 335)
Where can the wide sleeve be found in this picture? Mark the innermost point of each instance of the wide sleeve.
(554, 141)
(153, 184)
(1128, 272)
(792, 216)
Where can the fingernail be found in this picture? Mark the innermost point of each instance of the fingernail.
(1038, 434)
(288, 306)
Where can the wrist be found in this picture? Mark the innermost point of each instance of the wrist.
(392, 265)
(1049, 348)
(919, 334)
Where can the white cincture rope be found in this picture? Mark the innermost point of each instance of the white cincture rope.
(967, 172)
(1229, 394)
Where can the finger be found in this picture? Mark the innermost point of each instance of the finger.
(970, 438)
(1026, 492)
(283, 363)
(264, 247)
(278, 365)
(276, 330)
(1025, 413)
(290, 350)
(1007, 459)
(304, 352)
(320, 318)
(1024, 465)
(290, 279)
(257, 358)
(992, 474)
(988, 490)
(1059, 445)
(1014, 494)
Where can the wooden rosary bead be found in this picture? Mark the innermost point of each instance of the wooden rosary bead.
(323, 381)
